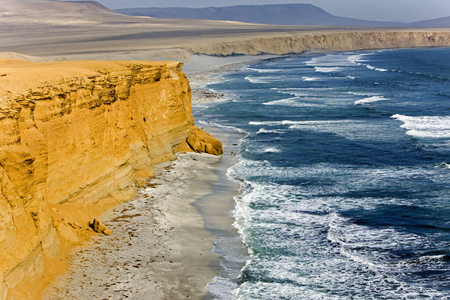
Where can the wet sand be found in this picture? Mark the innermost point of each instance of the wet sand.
(162, 241)
(159, 248)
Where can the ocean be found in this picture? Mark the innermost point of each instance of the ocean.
(344, 172)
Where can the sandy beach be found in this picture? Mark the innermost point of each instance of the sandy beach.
(160, 247)
(163, 240)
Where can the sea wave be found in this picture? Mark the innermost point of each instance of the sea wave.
(289, 122)
(363, 94)
(425, 126)
(264, 70)
(255, 80)
(214, 124)
(370, 100)
(310, 78)
(293, 101)
(357, 58)
(263, 130)
(328, 69)
(376, 69)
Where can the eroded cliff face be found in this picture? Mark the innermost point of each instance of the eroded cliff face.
(75, 137)
(326, 41)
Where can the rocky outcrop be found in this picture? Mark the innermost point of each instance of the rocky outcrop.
(74, 138)
(201, 142)
(325, 41)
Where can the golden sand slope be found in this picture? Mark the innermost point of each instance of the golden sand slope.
(75, 139)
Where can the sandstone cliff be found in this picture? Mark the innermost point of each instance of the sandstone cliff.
(324, 41)
(75, 137)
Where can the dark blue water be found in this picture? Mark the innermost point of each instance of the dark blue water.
(345, 174)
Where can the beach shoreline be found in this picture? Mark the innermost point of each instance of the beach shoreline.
(163, 239)
(186, 231)
(159, 248)
(201, 70)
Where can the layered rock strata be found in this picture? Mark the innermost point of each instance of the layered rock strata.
(75, 137)
(325, 41)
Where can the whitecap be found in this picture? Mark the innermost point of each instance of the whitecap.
(272, 150)
(376, 69)
(443, 165)
(310, 78)
(273, 123)
(371, 99)
(363, 94)
(255, 80)
(330, 60)
(292, 102)
(425, 126)
(263, 130)
(356, 59)
(264, 70)
(327, 69)
(431, 258)
(213, 124)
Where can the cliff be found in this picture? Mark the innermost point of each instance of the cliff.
(76, 138)
(324, 41)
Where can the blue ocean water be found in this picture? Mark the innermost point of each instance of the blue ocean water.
(345, 174)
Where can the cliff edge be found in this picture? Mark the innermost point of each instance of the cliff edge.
(76, 139)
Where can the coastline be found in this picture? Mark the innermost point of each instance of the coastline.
(179, 239)
(199, 75)
(159, 247)
(174, 248)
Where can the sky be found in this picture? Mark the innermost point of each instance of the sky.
(388, 10)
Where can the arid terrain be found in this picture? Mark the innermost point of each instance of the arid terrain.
(80, 137)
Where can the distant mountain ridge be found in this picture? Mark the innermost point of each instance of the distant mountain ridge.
(277, 14)
(440, 22)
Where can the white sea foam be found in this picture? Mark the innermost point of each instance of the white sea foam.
(371, 99)
(431, 258)
(222, 288)
(327, 69)
(272, 123)
(355, 59)
(272, 150)
(221, 126)
(376, 69)
(293, 102)
(425, 126)
(350, 77)
(329, 60)
(294, 227)
(363, 94)
(310, 78)
(255, 80)
(301, 123)
(285, 102)
(358, 60)
(263, 130)
(264, 70)
(443, 165)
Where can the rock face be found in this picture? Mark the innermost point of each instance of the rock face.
(74, 138)
(201, 142)
(326, 41)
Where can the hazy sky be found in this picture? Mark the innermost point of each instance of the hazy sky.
(390, 10)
